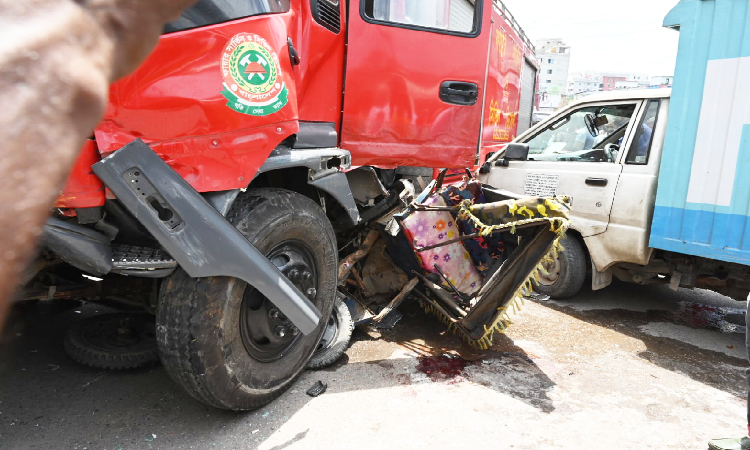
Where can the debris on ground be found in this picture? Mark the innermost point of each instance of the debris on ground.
(318, 388)
(94, 380)
(389, 321)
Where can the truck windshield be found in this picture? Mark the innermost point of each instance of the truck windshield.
(568, 139)
(209, 12)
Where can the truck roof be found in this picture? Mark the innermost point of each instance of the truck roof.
(626, 94)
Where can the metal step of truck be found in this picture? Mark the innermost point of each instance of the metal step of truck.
(141, 261)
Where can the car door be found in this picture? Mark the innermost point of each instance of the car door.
(633, 207)
(415, 75)
(567, 157)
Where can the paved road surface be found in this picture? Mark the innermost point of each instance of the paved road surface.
(628, 367)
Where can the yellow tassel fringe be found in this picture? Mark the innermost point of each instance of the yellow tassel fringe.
(502, 320)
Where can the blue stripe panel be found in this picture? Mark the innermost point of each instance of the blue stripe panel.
(709, 30)
(701, 233)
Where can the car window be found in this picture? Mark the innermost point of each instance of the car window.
(448, 15)
(209, 12)
(570, 139)
(641, 146)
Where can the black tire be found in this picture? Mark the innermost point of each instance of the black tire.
(207, 328)
(567, 274)
(335, 339)
(95, 341)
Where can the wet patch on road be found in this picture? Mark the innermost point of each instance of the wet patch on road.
(442, 367)
(516, 375)
(427, 353)
(731, 345)
(702, 341)
(697, 315)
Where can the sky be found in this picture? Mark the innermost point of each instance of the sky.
(605, 36)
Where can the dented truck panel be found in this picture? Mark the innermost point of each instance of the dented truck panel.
(83, 189)
(192, 109)
(395, 110)
(185, 106)
(174, 101)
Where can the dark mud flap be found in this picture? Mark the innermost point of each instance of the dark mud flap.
(193, 232)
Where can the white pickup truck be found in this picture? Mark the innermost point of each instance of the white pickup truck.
(604, 151)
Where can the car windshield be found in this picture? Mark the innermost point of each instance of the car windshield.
(568, 138)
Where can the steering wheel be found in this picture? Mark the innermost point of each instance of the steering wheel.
(612, 150)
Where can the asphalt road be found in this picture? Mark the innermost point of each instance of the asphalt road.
(628, 367)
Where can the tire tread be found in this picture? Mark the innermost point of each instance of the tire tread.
(180, 311)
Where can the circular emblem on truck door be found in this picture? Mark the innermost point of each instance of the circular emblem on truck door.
(253, 82)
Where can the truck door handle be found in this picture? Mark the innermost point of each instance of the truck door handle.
(459, 92)
(596, 181)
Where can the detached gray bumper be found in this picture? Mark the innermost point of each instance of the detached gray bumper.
(193, 232)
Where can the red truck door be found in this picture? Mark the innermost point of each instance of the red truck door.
(415, 77)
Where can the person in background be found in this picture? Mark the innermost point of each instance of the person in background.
(57, 58)
(644, 140)
(742, 443)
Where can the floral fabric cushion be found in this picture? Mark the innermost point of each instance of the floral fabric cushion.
(425, 228)
(484, 251)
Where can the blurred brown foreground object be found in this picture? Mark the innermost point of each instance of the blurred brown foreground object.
(57, 58)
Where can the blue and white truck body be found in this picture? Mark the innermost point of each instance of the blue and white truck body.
(703, 199)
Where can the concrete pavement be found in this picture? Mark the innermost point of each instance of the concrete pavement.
(628, 367)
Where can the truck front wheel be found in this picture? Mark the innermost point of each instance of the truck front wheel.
(224, 342)
(567, 273)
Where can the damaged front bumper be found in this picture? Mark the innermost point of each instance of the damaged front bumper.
(193, 232)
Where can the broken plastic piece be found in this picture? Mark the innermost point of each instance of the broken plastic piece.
(318, 388)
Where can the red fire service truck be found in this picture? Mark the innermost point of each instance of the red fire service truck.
(264, 138)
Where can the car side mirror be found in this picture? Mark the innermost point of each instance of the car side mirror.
(514, 152)
(517, 152)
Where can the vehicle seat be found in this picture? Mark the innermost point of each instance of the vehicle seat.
(426, 228)
(487, 251)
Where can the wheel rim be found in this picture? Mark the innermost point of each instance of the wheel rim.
(119, 334)
(266, 333)
(553, 269)
(331, 333)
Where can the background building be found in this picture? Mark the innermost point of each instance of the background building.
(554, 63)
(660, 82)
(610, 82)
(583, 83)
(626, 85)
